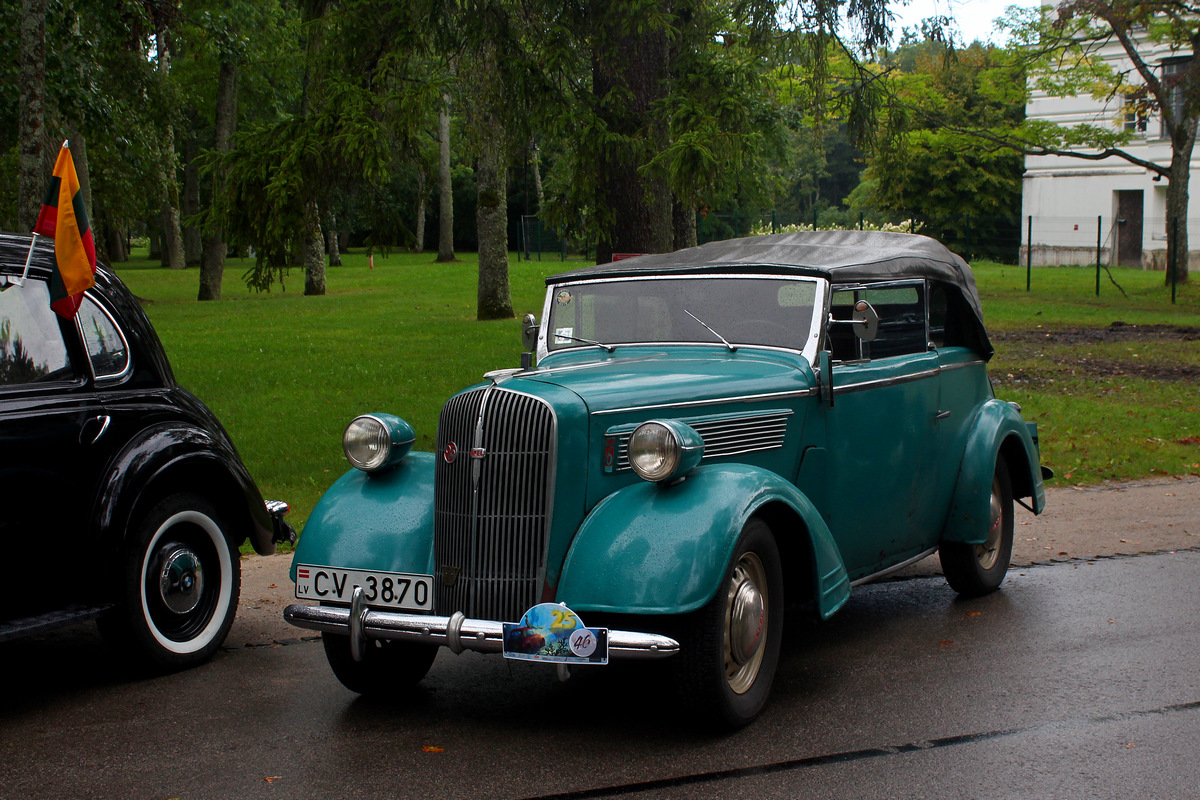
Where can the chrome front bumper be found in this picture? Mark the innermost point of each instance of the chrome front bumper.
(456, 631)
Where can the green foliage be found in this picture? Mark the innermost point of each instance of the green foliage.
(936, 167)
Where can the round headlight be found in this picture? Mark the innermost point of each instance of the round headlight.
(375, 441)
(661, 450)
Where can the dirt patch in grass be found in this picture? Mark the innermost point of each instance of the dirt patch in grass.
(1045, 353)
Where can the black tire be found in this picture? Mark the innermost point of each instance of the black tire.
(388, 669)
(724, 669)
(180, 582)
(978, 569)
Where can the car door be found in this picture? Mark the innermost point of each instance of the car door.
(52, 447)
(880, 431)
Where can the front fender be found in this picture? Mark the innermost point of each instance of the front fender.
(648, 549)
(997, 432)
(380, 522)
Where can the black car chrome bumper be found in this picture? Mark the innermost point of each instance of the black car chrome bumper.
(456, 631)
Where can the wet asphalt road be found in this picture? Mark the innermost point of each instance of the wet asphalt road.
(1078, 680)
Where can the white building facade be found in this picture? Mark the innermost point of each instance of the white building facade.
(1075, 208)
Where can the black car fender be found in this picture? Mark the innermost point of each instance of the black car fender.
(178, 456)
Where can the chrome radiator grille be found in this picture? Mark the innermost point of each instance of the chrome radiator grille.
(493, 487)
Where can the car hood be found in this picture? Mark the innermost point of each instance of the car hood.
(661, 377)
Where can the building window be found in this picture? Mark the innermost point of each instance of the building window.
(1135, 112)
(1173, 70)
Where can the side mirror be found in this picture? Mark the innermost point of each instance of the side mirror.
(865, 321)
(529, 332)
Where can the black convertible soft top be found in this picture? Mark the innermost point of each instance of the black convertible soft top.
(839, 256)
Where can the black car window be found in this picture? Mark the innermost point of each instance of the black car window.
(106, 346)
(32, 348)
(902, 331)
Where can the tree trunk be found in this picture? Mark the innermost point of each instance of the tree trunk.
(212, 259)
(491, 209)
(1182, 145)
(191, 204)
(79, 155)
(633, 66)
(419, 224)
(314, 250)
(491, 223)
(445, 187)
(331, 240)
(31, 116)
(683, 223)
(167, 174)
(535, 163)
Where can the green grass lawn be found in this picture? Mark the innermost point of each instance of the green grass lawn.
(285, 373)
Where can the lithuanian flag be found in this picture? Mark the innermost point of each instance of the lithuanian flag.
(64, 218)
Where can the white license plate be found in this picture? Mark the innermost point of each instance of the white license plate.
(394, 590)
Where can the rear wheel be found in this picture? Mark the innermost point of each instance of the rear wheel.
(387, 668)
(730, 648)
(977, 569)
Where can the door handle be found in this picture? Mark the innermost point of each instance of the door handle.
(102, 421)
(942, 415)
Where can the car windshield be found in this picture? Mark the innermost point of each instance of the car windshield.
(743, 310)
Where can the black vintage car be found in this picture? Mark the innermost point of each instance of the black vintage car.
(124, 499)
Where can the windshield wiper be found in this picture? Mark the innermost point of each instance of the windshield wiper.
(732, 349)
(608, 348)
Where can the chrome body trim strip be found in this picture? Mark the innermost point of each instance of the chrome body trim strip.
(883, 382)
(963, 365)
(885, 572)
(455, 632)
(748, 398)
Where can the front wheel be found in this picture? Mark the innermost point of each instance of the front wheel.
(387, 668)
(977, 569)
(181, 578)
(730, 648)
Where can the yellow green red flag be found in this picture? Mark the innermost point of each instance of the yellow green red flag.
(64, 218)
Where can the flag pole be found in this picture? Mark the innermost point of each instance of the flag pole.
(28, 258)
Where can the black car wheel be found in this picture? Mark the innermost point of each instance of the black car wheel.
(181, 582)
(977, 569)
(730, 648)
(387, 668)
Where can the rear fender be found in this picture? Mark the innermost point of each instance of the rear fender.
(176, 457)
(650, 549)
(381, 521)
(997, 432)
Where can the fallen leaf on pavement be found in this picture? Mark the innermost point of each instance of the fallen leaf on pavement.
(429, 748)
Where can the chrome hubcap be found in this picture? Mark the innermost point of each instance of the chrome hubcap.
(988, 552)
(746, 623)
(181, 582)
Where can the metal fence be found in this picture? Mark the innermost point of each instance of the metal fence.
(1025, 241)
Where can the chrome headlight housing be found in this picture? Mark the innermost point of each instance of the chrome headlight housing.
(663, 450)
(373, 442)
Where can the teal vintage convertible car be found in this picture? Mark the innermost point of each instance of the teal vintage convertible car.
(705, 434)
